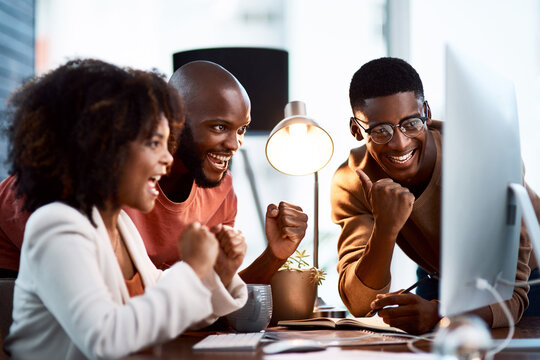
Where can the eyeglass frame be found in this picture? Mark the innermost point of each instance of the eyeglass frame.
(398, 125)
(368, 131)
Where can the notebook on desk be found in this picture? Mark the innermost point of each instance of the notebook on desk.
(374, 323)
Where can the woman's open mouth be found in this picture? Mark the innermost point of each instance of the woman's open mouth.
(152, 185)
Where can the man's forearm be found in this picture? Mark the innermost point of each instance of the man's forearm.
(262, 269)
(373, 268)
(485, 314)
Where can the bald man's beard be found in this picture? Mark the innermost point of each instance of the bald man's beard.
(187, 152)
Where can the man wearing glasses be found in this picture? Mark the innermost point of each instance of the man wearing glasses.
(388, 193)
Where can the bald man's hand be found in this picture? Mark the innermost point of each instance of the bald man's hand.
(286, 226)
(391, 203)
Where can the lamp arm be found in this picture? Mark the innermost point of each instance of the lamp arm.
(316, 222)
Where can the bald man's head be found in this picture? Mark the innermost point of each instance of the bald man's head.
(201, 81)
(217, 111)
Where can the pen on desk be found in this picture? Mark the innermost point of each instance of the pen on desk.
(407, 290)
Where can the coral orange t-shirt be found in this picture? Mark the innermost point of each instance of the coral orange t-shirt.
(12, 223)
(161, 228)
(135, 285)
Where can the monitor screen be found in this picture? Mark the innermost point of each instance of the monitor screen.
(481, 157)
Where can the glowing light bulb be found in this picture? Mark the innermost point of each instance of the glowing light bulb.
(298, 130)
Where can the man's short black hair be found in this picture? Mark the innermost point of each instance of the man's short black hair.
(382, 77)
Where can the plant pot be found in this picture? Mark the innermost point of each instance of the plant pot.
(293, 294)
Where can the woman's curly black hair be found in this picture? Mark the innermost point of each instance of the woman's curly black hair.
(69, 130)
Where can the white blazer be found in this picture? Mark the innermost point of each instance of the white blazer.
(71, 300)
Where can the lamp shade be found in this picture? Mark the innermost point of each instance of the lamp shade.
(297, 145)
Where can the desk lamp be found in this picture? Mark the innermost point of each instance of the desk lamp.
(299, 146)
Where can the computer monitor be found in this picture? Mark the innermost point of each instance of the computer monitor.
(480, 213)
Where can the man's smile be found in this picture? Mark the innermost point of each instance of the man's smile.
(401, 159)
(218, 160)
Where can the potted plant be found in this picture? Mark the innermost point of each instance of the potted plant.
(294, 288)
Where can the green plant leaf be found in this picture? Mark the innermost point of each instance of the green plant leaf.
(298, 258)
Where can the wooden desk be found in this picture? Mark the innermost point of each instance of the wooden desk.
(180, 348)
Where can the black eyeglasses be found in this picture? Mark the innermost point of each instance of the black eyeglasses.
(384, 132)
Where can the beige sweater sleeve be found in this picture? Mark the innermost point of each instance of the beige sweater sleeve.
(349, 211)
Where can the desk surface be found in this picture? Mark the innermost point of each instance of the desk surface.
(180, 348)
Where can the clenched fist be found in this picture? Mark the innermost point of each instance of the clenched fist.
(232, 249)
(392, 203)
(199, 248)
(286, 226)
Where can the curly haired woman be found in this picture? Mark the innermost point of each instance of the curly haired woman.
(85, 140)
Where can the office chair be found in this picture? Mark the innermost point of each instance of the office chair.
(6, 309)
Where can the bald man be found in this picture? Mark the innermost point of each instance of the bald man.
(199, 186)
